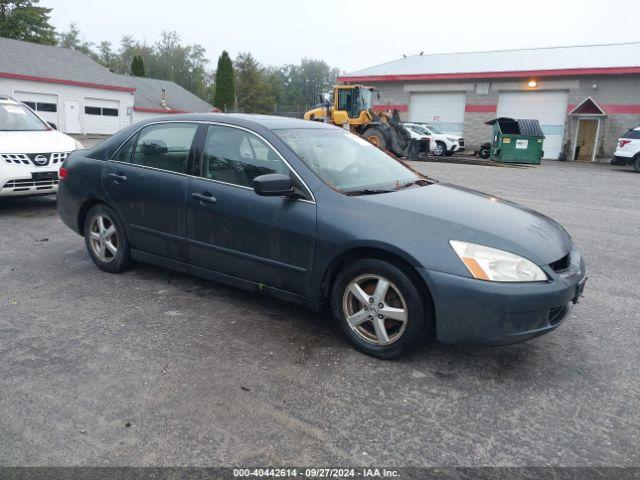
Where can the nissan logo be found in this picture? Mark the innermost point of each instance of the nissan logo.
(40, 160)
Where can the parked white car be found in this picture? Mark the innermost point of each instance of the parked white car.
(441, 143)
(628, 150)
(31, 151)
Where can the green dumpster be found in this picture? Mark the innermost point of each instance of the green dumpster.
(516, 141)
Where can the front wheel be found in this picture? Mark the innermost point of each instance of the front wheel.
(441, 149)
(375, 136)
(379, 308)
(636, 164)
(106, 240)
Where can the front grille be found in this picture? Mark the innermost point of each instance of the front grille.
(22, 185)
(34, 159)
(562, 264)
(461, 142)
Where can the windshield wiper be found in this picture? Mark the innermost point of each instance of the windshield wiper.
(419, 182)
(366, 191)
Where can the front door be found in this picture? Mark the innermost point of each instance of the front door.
(147, 183)
(233, 230)
(586, 140)
(72, 117)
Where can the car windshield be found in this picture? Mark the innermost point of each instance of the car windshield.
(347, 162)
(419, 129)
(19, 118)
(434, 129)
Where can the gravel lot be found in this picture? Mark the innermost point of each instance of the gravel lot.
(156, 368)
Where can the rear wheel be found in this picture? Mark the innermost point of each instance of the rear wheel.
(106, 240)
(379, 308)
(375, 136)
(636, 164)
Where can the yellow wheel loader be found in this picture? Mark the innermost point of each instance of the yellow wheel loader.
(350, 107)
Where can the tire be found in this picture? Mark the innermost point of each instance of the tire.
(106, 240)
(375, 136)
(484, 153)
(441, 149)
(402, 299)
(636, 164)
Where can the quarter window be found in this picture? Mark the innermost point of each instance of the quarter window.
(235, 156)
(124, 153)
(165, 146)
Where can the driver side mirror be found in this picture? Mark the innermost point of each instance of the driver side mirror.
(273, 185)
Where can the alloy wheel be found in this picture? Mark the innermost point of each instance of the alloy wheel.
(375, 309)
(104, 238)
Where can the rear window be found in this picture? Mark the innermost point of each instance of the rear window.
(633, 134)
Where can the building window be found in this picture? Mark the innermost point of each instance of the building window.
(105, 112)
(42, 106)
(46, 107)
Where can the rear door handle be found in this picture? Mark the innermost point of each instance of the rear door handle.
(204, 197)
(117, 178)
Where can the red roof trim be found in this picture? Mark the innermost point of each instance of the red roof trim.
(617, 108)
(158, 110)
(30, 78)
(481, 108)
(514, 74)
(402, 107)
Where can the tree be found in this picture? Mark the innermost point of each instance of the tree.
(225, 90)
(252, 88)
(137, 66)
(25, 20)
(74, 40)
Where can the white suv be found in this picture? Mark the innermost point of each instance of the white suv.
(628, 150)
(441, 143)
(31, 151)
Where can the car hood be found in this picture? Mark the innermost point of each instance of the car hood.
(46, 141)
(443, 211)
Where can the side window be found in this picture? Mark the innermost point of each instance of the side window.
(124, 152)
(165, 146)
(235, 156)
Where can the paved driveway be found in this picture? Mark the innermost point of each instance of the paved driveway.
(156, 368)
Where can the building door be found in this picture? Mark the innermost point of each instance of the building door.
(548, 107)
(586, 140)
(72, 117)
(444, 111)
(101, 116)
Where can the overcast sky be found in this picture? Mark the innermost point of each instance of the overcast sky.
(354, 34)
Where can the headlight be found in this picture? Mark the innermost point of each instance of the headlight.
(452, 139)
(79, 145)
(486, 263)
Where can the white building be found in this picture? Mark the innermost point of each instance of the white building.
(79, 95)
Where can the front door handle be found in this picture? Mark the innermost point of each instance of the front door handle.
(204, 197)
(117, 178)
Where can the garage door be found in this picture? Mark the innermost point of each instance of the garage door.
(45, 104)
(443, 110)
(101, 116)
(549, 108)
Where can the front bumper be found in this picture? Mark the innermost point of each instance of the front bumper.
(476, 311)
(18, 180)
(619, 160)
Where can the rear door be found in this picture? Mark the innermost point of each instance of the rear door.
(147, 182)
(233, 230)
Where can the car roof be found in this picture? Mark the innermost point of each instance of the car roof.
(248, 120)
